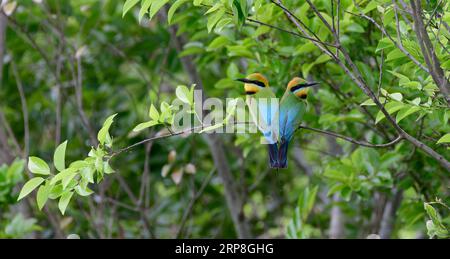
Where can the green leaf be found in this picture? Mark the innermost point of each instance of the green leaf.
(62, 175)
(59, 156)
(38, 166)
(232, 71)
(15, 170)
(239, 51)
(396, 96)
(87, 174)
(79, 164)
(67, 179)
(310, 200)
(403, 79)
(166, 113)
(335, 188)
(56, 191)
(389, 16)
(83, 191)
(144, 125)
(395, 54)
(224, 22)
(213, 19)
(64, 201)
(107, 168)
(416, 101)
(99, 165)
(153, 113)
(214, 8)
(128, 5)
(383, 44)
(173, 9)
(238, 14)
(444, 139)
(403, 113)
(370, 6)
(42, 195)
(183, 93)
(30, 186)
(104, 131)
(391, 108)
(145, 5)
(156, 6)
(322, 58)
(346, 193)
(198, 2)
(217, 43)
(368, 102)
(355, 27)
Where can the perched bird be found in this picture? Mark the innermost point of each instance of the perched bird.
(293, 105)
(263, 107)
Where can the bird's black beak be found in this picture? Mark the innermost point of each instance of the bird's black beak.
(311, 84)
(243, 80)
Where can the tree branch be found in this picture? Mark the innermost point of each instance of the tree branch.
(428, 52)
(351, 140)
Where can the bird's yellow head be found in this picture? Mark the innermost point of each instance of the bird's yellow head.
(254, 82)
(299, 87)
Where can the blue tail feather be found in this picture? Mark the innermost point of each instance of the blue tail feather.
(273, 155)
(282, 155)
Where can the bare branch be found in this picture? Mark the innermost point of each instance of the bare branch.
(351, 140)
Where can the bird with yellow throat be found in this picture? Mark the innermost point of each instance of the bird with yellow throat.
(263, 109)
(293, 105)
(287, 116)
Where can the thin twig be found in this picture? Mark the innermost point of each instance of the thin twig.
(195, 197)
(305, 29)
(397, 44)
(351, 140)
(23, 101)
(278, 28)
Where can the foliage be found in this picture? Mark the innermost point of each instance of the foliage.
(436, 225)
(10, 176)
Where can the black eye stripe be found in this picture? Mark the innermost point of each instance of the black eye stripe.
(295, 88)
(255, 82)
(303, 85)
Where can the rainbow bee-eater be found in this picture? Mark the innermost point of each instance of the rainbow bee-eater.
(293, 105)
(263, 109)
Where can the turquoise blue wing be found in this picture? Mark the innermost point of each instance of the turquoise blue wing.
(291, 114)
(265, 112)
